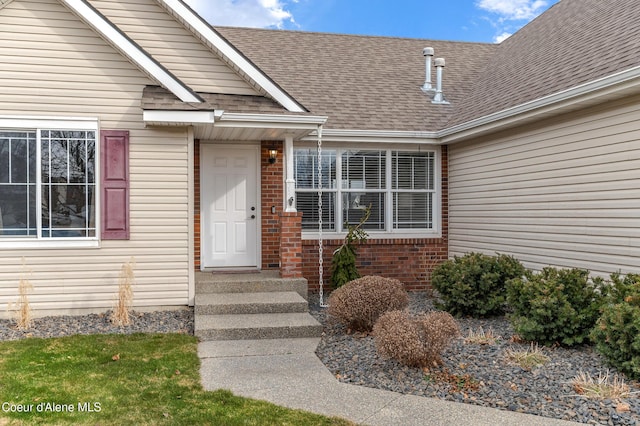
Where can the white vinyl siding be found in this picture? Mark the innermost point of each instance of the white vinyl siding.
(173, 46)
(565, 194)
(85, 77)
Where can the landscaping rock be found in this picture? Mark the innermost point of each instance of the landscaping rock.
(544, 390)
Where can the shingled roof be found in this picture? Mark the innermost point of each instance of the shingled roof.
(373, 83)
(361, 82)
(574, 42)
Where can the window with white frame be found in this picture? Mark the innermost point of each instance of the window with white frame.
(47, 183)
(399, 186)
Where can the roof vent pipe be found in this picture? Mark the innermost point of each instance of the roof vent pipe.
(438, 98)
(428, 53)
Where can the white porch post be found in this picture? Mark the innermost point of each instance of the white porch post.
(290, 200)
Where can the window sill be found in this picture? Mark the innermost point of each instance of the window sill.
(17, 243)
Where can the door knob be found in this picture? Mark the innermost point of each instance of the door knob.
(253, 216)
(253, 209)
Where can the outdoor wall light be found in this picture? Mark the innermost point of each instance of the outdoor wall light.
(273, 155)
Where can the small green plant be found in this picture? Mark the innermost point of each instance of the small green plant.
(343, 262)
(605, 386)
(555, 306)
(527, 358)
(415, 341)
(474, 284)
(359, 303)
(120, 315)
(617, 331)
(481, 337)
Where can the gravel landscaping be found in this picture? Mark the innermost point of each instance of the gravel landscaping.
(177, 321)
(480, 373)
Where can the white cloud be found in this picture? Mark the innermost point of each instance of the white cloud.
(514, 10)
(510, 15)
(501, 37)
(244, 13)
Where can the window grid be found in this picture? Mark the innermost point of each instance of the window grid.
(396, 208)
(60, 171)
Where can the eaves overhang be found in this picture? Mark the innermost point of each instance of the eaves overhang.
(621, 84)
(131, 50)
(221, 125)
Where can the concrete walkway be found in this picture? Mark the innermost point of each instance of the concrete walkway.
(287, 372)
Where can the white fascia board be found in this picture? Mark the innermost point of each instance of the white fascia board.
(131, 50)
(178, 117)
(620, 82)
(374, 136)
(252, 72)
(48, 122)
(272, 121)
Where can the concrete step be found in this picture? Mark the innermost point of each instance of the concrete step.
(264, 347)
(262, 282)
(256, 326)
(250, 303)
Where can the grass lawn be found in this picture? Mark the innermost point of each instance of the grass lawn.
(139, 379)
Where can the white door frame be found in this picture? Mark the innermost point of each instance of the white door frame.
(251, 149)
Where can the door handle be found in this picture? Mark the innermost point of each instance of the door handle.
(253, 216)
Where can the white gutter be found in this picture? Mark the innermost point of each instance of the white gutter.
(374, 136)
(131, 50)
(274, 121)
(227, 50)
(606, 86)
(179, 118)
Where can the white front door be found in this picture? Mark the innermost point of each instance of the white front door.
(229, 204)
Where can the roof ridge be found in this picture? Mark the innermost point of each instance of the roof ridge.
(367, 36)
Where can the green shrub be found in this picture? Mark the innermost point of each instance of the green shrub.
(343, 262)
(555, 305)
(474, 284)
(617, 332)
(414, 341)
(359, 303)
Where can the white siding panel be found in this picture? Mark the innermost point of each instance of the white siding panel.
(562, 193)
(173, 46)
(53, 64)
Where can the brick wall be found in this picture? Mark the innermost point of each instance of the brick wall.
(272, 195)
(409, 260)
(291, 245)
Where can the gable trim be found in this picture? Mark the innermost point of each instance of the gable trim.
(131, 50)
(234, 56)
(4, 3)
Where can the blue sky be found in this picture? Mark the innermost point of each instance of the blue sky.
(461, 20)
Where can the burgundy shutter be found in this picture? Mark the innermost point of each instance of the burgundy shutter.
(114, 154)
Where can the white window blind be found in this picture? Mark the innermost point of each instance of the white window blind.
(398, 186)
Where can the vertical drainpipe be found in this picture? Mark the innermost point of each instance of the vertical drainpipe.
(290, 182)
(438, 98)
(428, 53)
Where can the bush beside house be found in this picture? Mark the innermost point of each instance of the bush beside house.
(474, 284)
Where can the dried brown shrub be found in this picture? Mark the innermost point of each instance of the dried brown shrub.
(120, 315)
(415, 341)
(22, 308)
(359, 303)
